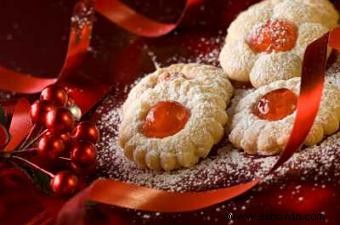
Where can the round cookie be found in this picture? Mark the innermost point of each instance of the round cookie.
(259, 128)
(209, 77)
(176, 120)
(262, 39)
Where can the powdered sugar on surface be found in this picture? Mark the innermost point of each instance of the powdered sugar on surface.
(225, 166)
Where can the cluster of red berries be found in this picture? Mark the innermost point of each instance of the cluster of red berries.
(64, 136)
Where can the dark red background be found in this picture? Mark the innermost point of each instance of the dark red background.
(33, 39)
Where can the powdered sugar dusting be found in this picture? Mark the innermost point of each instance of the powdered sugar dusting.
(204, 50)
(225, 166)
(333, 73)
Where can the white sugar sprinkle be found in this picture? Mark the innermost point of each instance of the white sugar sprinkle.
(224, 167)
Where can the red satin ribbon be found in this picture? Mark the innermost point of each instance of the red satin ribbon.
(126, 195)
(311, 87)
(142, 198)
(17, 82)
(122, 15)
(150, 199)
(79, 40)
(20, 125)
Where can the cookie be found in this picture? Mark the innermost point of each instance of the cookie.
(209, 77)
(262, 120)
(174, 116)
(267, 42)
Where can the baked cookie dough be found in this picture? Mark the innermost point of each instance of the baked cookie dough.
(267, 42)
(263, 119)
(174, 116)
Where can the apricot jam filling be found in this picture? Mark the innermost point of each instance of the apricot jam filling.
(164, 119)
(275, 105)
(273, 35)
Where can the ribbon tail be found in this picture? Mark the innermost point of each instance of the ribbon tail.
(79, 38)
(127, 18)
(148, 199)
(312, 83)
(84, 90)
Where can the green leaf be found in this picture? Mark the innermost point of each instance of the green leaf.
(2, 116)
(39, 179)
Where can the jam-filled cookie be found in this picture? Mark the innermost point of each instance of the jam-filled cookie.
(209, 77)
(267, 42)
(263, 119)
(174, 116)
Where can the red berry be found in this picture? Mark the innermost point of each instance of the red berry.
(83, 154)
(59, 120)
(39, 109)
(86, 131)
(4, 136)
(64, 183)
(55, 94)
(51, 146)
(83, 170)
(66, 138)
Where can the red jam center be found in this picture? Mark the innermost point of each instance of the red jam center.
(273, 35)
(165, 119)
(275, 105)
